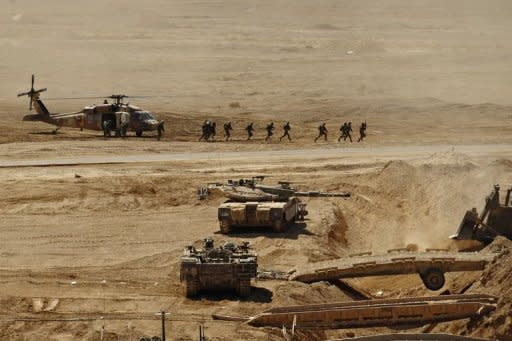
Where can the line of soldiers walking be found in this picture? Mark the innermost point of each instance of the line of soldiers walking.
(209, 130)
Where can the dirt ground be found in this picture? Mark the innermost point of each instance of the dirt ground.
(100, 234)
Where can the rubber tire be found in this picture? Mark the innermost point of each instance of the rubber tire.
(433, 279)
(225, 228)
(138, 133)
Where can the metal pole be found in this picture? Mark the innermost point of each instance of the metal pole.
(201, 333)
(163, 325)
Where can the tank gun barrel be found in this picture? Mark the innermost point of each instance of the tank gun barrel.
(322, 194)
(286, 192)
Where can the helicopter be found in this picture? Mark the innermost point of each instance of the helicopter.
(117, 117)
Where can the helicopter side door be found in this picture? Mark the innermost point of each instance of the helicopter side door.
(136, 121)
(92, 119)
(111, 119)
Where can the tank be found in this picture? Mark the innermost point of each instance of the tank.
(276, 214)
(226, 268)
(253, 204)
(494, 220)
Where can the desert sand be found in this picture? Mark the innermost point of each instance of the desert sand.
(94, 228)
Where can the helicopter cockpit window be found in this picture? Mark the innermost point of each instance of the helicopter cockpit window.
(144, 115)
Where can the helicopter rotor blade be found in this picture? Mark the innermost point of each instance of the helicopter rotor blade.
(73, 98)
(120, 97)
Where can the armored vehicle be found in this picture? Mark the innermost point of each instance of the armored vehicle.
(229, 267)
(494, 220)
(275, 214)
(253, 204)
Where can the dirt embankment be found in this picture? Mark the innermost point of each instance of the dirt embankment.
(419, 202)
(495, 280)
(393, 204)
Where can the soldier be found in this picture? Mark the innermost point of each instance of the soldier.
(270, 128)
(206, 131)
(286, 133)
(322, 131)
(250, 130)
(208, 243)
(343, 130)
(213, 130)
(124, 124)
(107, 127)
(348, 130)
(362, 131)
(227, 130)
(160, 129)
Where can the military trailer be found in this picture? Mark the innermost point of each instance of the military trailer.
(226, 268)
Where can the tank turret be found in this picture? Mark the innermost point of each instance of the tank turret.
(254, 190)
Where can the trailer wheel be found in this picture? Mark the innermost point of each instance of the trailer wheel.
(433, 278)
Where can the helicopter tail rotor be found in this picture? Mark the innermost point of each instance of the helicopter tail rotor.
(32, 94)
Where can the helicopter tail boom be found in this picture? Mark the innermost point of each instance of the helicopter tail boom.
(42, 113)
(40, 107)
(34, 101)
